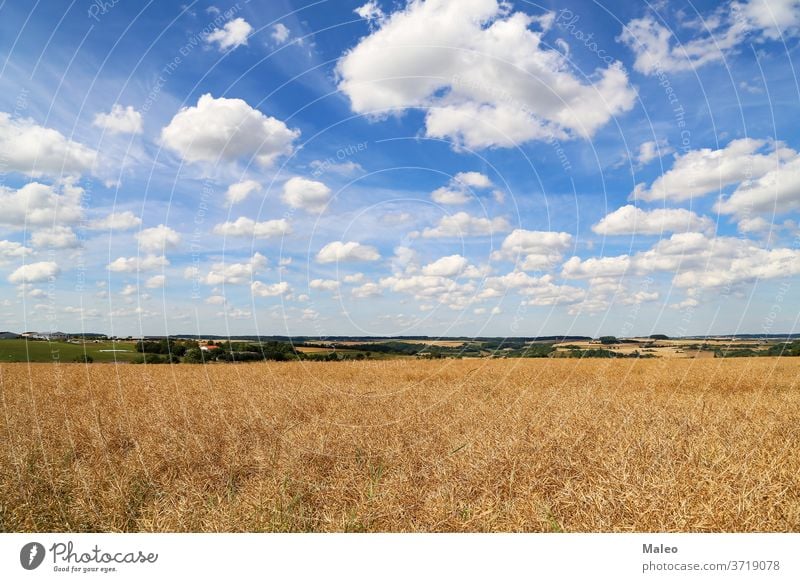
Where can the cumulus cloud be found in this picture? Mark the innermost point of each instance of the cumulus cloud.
(120, 120)
(366, 291)
(158, 239)
(236, 273)
(632, 220)
(651, 150)
(777, 190)
(36, 151)
(261, 289)
(11, 251)
(458, 190)
(280, 33)
(354, 278)
(337, 251)
(239, 191)
(307, 195)
(34, 273)
(539, 291)
(533, 249)
(446, 266)
(425, 288)
(488, 80)
(57, 237)
(227, 129)
(448, 196)
(234, 34)
(370, 11)
(247, 227)
(37, 204)
(155, 282)
(696, 261)
(658, 51)
(754, 225)
(595, 267)
(138, 264)
(126, 220)
(325, 285)
(451, 266)
(462, 224)
(703, 171)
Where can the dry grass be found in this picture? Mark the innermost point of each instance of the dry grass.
(481, 445)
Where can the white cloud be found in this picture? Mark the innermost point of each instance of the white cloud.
(696, 261)
(11, 251)
(535, 249)
(126, 220)
(354, 278)
(446, 195)
(462, 224)
(236, 273)
(274, 290)
(428, 287)
(366, 291)
(539, 291)
(657, 51)
(488, 80)
(239, 191)
(766, 175)
(632, 220)
(777, 190)
(307, 195)
(325, 285)
(370, 11)
(120, 120)
(700, 172)
(137, 264)
(595, 267)
(247, 227)
(234, 34)
(338, 251)
(473, 180)
(57, 237)
(156, 282)
(458, 190)
(158, 239)
(36, 204)
(35, 150)
(215, 300)
(755, 224)
(34, 273)
(280, 33)
(446, 266)
(227, 129)
(774, 19)
(651, 150)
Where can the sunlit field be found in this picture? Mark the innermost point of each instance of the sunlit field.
(542, 445)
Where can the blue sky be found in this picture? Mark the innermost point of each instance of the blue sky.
(416, 168)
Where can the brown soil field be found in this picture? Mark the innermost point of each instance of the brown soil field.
(538, 445)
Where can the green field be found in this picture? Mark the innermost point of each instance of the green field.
(20, 350)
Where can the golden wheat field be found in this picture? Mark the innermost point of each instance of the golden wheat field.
(482, 445)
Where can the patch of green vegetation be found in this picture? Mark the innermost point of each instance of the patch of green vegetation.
(785, 349)
(22, 350)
